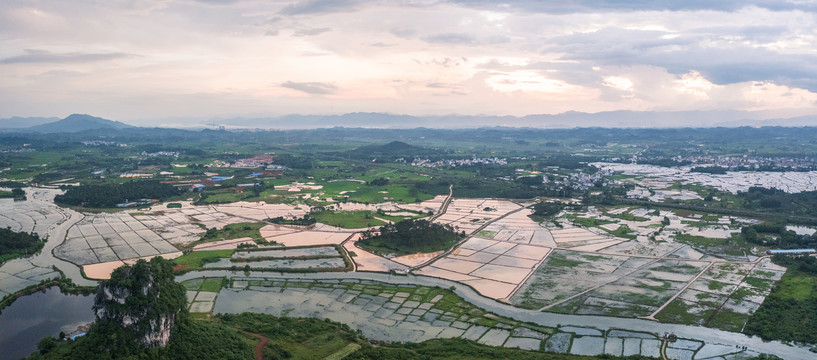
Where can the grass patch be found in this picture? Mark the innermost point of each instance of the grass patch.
(588, 222)
(627, 216)
(700, 240)
(233, 231)
(348, 219)
(195, 260)
(623, 231)
(486, 234)
(728, 320)
(292, 338)
(212, 284)
(560, 260)
(680, 312)
(762, 284)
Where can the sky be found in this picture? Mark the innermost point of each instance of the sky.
(133, 60)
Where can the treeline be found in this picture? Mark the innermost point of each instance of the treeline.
(295, 162)
(789, 313)
(776, 235)
(15, 244)
(410, 236)
(489, 188)
(108, 195)
(709, 169)
(762, 198)
(306, 220)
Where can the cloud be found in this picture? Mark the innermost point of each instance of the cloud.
(380, 44)
(313, 88)
(464, 39)
(308, 7)
(722, 57)
(42, 56)
(310, 32)
(595, 6)
(451, 39)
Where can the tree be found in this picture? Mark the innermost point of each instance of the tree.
(546, 208)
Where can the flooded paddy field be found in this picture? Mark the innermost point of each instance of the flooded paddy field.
(40, 215)
(29, 216)
(17, 274)
(102, 238)
(409, 312)
(638, 231)
(470, 214)
(724, 296)
(494, 268)
(659, 177)
(585, 283)
(320, 258)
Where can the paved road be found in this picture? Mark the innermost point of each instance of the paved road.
(707, 335)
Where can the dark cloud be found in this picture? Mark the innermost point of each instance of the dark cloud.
(307, 7)
(310, 32)
(314, 88)
(593, 6)
(42, 56)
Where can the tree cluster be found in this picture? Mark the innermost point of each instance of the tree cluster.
(709, 169)
(411, 236)
(547, 208)
(108, 195)
(14, 244)
(776, 235)
(304, 221)
(379, 182)
(789, 312)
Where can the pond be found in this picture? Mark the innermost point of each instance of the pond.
(44, 313)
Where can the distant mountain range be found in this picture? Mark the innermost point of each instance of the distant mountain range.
(610, 119)
(25, 122)
(571, 119)
(72, 123)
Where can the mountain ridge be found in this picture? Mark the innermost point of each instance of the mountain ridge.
(77, 123)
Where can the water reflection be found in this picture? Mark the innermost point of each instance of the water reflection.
(43, 313)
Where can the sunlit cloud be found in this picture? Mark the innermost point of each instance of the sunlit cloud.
(694, 83)
(206, 58)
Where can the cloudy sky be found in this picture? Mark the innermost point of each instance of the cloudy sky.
(143, 59)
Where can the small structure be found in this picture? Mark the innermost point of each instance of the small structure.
(220, 178)
(791, 251)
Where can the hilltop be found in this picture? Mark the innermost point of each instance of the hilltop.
(77, 123)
